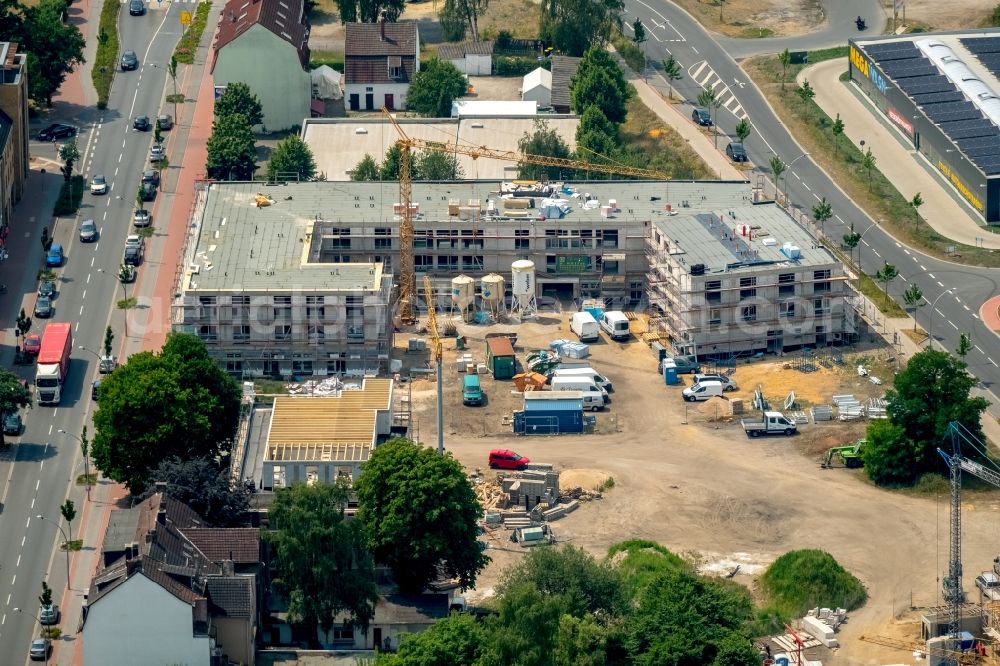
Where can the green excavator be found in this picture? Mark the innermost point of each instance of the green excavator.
(850, 455)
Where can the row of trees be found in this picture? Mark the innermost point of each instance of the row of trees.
(424, 165)
(54, 47)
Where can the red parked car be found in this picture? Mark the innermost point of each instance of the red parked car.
(507, 459)
(32, 343)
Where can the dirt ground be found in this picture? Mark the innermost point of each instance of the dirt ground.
(946, 15)
(707, 492)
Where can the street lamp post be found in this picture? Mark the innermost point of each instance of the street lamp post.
(788, 168)
(35, 618)
(86, 459)
(930, 327)
(860, 239)
(69, 583)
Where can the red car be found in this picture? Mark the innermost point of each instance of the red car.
(507, 459)
(32, 343)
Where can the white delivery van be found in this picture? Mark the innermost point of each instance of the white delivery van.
(592, 400)
(585, 384)
(585, 326)
(615, 324)
(702, 391)
(603, 382)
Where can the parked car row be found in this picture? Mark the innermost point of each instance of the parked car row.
(614, 323)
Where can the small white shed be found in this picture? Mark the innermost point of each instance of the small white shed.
(537, 87)
(470, 58)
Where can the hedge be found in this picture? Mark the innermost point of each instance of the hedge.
(188, 43)
(70, 196)
(106, 60)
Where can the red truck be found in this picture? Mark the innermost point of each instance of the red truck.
(53, 362)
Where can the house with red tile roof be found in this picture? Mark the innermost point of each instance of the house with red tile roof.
(380, 60)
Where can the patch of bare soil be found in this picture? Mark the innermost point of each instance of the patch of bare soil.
(588, 479)
(948, 15)
(746, 18)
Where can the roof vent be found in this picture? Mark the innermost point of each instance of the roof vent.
(361, 130)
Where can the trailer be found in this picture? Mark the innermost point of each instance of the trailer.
(53, 362)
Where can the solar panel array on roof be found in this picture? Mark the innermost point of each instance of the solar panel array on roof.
(979, 45)
(928, 84)
(937, 98)
(968, 129)
(892, 50)
(979, 146)
(908, 69)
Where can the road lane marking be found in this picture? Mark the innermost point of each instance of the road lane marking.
(966, 307)
(120, 155)
(77, 327)
(805, 185)
(975, 315)
(88, 282)
(81, 310)
(976, 347)
(865, 242)
(19, 554)
(953, 324)
(37, 484)
(903, 278)
(85, 291)
(992, 361)
(930, 275)
(939, 283)
(876, 253)
(939, 312)
(32, 502)
(92, 261)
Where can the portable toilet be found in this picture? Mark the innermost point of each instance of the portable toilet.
(500, 357)
(670, 377)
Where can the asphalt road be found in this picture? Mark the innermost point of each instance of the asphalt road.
(37, 471)
(705, 63)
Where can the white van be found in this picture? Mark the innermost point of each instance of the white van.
(615, 324)
(585, 384)
(592, 400)
(585, 326)
(603, 382)
(703, 391)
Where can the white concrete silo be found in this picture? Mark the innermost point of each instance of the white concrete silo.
(463, 294)
(492, 287)
(522, 287)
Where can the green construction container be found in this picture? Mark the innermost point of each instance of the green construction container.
(500, 357)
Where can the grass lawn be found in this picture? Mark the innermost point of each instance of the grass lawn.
(518, 17)
(646, 133)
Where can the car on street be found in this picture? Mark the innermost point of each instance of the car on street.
(141, 123)
(141, 218)
(88, 231)
(133, 240)
(95, 389)
(54, 257)
(40, 650)
(12, 424)
(47, 288)
(32, 344)
(48, 615)
(56, 131)
(148, 191)
(136, 7)
(99, 184)
(130, 61)
(151, 176)
(507, 459)
(702, 117)
(133, 255)
(728, 384)
(736, 152)
(157, 153)
(165, 122)
(43, 307)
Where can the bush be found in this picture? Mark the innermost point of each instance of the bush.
(517, 66)
(641, 561)
(995, 17)
(106, 58)
(188, 43)
(631, 52)
(70, 197)
(803, 579)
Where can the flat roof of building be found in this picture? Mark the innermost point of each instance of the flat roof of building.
(715, 239)
(328, 428)
(338, 144)
(245, 247)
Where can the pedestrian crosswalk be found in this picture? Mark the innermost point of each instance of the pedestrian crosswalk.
(702, 74)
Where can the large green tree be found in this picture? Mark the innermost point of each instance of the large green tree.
(573, 26)
(546, 142)
(420, 514)
(599, 82)
(157, 406)
(205, 486)
(54, 48)
(232, 154)
(437, 165)
(365, 170)
(237, 98)
(435, 87)
(929, 393)
(13, 396)
(596, 139)
(321, 565)
(369, 11)
(453, 641)
(390, 165)
(292, 160)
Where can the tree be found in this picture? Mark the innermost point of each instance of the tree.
(868, 163)
(805, 92)
(54, 48)
(366, 169)
(420, 514)
(237, 98)
(743, 130)
(469, 12)
(157, 134)
(451, 641)
(369, 11)
(709, 99)
(69, 154)
(205, 486)
(435, 87)
(785, 58)
(917, 201)
(172, 70)
(437, 165)
(822, 212)
(232, 154)
(46, 239)
(851, 240)
(914, 298)
(596, 138)
(639, 31)
(929, 393)
(12, 396)
(543, 141)
(68, 511)
(292, 160)
(45, 598)
(838, 129)
(964, 345)
(524, 629)
(599, 81)
(390, 165)
(453, 24)
(736, 650)
(321, 565)
(777, 168)
(885, 275)
(672, 71)
(174, 403)
(573, 26)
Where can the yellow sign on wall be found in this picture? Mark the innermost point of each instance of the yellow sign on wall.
(185, 18)
(976, 202)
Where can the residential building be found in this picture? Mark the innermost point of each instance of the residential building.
(267, 290)
(537, 87)
(563, 70)
(744, 279)
(265, 44)
(470, 58)
(160, 595)
(380, 60)
(14, 159)
(395, 615)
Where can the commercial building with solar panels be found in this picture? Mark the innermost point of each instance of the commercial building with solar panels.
(942, 92)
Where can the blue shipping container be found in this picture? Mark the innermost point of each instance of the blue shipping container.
(553, 422)
(563, 401)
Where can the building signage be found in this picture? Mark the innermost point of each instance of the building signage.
(861, 63)
(960, 186)
(895, 117)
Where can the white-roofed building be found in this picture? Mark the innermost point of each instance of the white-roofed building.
(483, 108)
(537, 87)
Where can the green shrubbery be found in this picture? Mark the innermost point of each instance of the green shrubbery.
(106, 59)
(70, 196)
(804, 579)
(517, 65)
(188, 44)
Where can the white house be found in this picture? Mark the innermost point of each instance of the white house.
(395, 615)
(380, 60)
(537, 87)
(265, 44)
(470, 58)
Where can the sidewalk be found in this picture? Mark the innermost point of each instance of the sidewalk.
(904, 167)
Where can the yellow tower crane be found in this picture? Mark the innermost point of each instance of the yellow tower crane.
(436, 354)
(407, 272)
